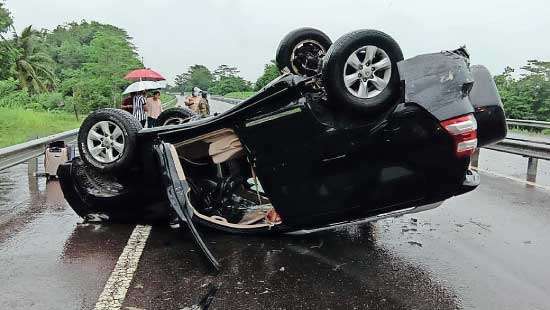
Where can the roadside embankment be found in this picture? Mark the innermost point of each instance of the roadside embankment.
(20, 125)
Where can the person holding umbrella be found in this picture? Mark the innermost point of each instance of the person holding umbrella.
(144, 75)
(137, 93)
(139, 108)
(146, 79)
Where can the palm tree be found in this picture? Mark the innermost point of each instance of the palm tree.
(32, 66)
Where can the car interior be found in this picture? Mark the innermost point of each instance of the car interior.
(224, 189)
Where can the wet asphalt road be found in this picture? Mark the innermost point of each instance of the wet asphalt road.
(488, 249)
(485, 250)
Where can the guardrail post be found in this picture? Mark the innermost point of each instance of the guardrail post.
(474, 159)
(31, 174)
(532, 169)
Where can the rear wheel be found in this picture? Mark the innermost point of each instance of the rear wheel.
(175, 116)
(360, 71)
(301, 51)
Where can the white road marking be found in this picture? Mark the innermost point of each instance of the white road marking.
(513, 179)
(117, 285)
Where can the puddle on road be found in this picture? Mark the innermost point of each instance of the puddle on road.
(50, 261)
(16, 190)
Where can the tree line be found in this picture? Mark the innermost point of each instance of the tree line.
(526, 93)
(78, 64)
(82, 64)
(223, 80)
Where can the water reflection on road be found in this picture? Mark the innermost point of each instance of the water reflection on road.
(48, 259)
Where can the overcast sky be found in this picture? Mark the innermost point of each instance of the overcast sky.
(171, 35)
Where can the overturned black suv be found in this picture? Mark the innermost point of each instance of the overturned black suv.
(350, 132)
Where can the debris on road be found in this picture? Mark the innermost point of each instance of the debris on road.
(415, 243)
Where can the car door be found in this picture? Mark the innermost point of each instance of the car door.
(176, 188)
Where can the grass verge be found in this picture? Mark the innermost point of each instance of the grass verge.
(20, 125)
(165, 98)
(240, 95)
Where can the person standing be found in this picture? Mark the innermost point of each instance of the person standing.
(127, 103)
(154, 108)
(139, 108)
(204, 106)
(192, 102)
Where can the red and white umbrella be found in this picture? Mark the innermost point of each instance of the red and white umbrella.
(144, 75)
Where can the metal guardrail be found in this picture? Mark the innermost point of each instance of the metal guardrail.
(532, 149)
(16, 154)
(528, 123)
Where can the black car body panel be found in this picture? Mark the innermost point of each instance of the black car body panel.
(489, 112)
(318, 165)
(439, 82)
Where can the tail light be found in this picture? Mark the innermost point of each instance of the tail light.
(463, 129)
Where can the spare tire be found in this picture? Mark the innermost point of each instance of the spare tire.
(301, 51)
(360, 71)
(175, 116)
(107, 139)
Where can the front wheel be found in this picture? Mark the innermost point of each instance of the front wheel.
(107, 139)
(360, 71)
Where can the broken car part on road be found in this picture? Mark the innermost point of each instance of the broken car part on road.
(368, 135)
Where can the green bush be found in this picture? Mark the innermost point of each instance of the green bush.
(10, 97)
(229, 84)
(15, 99)
(270, 73)
(69, 105)
(47, 101)
(8, 86)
